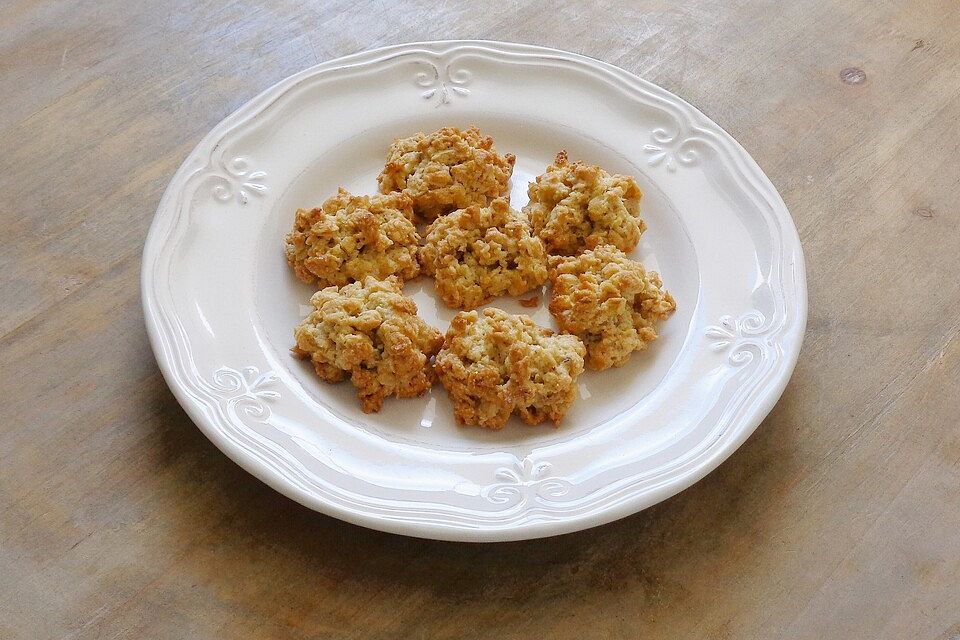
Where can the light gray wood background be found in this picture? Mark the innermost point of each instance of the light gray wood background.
(839, 518)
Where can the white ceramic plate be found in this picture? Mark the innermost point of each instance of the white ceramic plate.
(221, 303)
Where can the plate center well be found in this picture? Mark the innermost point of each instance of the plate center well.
(282, 300)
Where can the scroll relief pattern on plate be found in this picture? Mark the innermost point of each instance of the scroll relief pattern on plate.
(245, 393)
(237, 181)
(524, 482)
(738, 336)
(441, 85)
(671, 151)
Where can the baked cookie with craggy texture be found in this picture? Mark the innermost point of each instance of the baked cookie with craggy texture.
(576, 206)
(493, 364)
(351, 237)
(608, 301)
(446, 170)
(371, 332)
(478, 253)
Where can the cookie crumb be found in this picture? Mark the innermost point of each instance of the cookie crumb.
(299, 353)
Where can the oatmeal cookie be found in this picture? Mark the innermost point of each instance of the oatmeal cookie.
(350, 237)
(475, 254)
(372, 333)
(579, 206)
(446, 170)
(609, 301)
(493, 363)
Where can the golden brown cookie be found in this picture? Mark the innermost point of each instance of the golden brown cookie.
(372, 333)
(351, 237)
(609, 301)
(576, 206)
(478, 253)
(493, 364)
(446, 170)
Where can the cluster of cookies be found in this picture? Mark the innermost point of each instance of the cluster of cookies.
(575, 232)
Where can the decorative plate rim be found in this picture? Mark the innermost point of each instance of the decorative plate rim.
(215, 423)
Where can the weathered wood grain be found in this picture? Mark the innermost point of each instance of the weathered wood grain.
(840, 518)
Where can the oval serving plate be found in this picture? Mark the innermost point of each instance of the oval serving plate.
(221, 303)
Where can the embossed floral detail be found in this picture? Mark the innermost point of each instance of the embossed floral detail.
(526, 481)
(441, 85)
(669, 150)
(736, 333)
(246, 391)
(238, 181)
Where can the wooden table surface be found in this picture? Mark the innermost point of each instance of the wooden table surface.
(839, 518)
